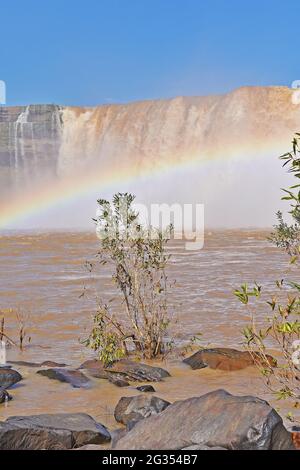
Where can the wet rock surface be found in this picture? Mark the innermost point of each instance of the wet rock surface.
(125, 371)
(217, 419)
(116, 379)
(73, 377)
(222, 359)
(146, 388)
(133, 409)
(136, 371)
(51, 431)
(9, 377)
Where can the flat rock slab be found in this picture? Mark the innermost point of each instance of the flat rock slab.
(217, 419)
(137, 371)
(51, 431)
(133, 409)
(9, 377)
(129, 370)
(223, 359)
(37, 364)
(73, 377)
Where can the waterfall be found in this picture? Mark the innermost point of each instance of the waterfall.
(33, 135)
(19, 133)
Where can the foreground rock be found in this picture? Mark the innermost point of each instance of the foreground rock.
(128, 370)
(217, 419)
(129, 410)
(223, 359)
(9, 377)
(4, 396)
(57, 431)
(73, 377)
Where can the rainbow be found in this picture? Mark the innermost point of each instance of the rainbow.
(68, 189)
(42, 198)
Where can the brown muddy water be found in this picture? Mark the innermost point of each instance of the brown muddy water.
(43, 274)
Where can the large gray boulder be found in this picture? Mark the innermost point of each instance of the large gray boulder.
(47, 431)
(73, 377)
(217, 419)
(129, 410)
(9, 377)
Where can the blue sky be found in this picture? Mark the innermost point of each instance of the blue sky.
(99, 51)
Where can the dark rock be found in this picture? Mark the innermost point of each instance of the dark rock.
(133, 409)
(116, 379)
(217, 419)
(73, 377)
(137, 371)
(223, 359)
(129, 371)
(145, 388)
(57, 431)
(9, 377)
(4, 396)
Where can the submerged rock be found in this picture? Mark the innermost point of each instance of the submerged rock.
(145, 388)
(223, 359)
(73, 377)
(9, 377)
(4, 396)
(133, 409)
(217, 419)
(51, 431)
(37, 364)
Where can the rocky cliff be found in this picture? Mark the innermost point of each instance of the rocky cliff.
(39, 139)
(58, 142)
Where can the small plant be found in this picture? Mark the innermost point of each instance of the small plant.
(281, 328)
(281, 331)
(22, 320)
(138, 258)
(106, 337)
